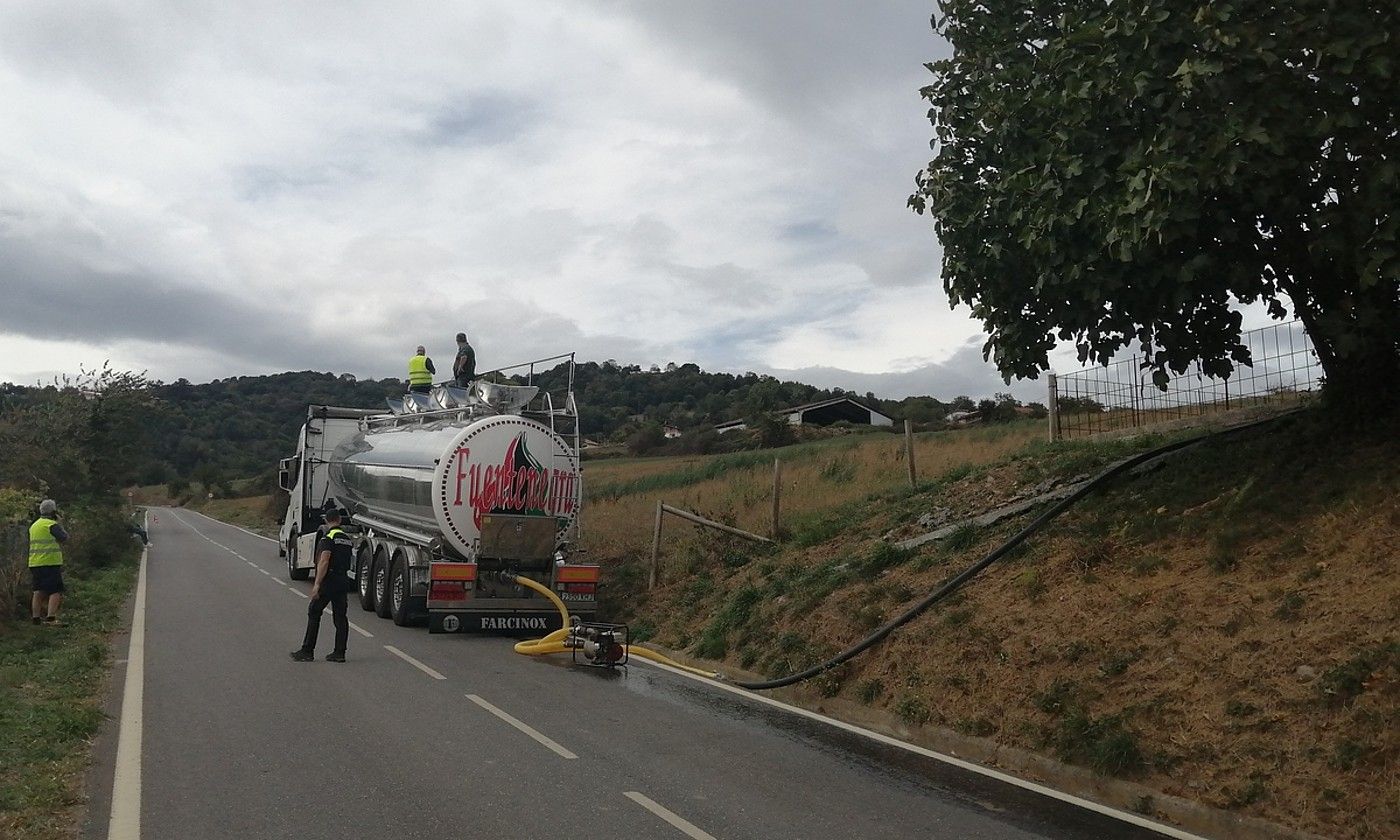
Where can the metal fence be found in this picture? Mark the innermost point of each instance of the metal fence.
(1091, 401)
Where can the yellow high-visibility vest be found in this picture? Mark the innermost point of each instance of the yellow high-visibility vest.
(43, 548)
(418, 371)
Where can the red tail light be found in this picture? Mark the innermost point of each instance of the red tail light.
(447, 591)
(581, 588)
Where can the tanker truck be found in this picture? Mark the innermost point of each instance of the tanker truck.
(450, 495)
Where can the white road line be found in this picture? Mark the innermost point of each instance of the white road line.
(231, 525)
(299, 593)
(266, 572)
(414, 662)
(526, 728)
(685, 826)
(125, 820)
(362, 631)
(279, 581)
(1071, 799)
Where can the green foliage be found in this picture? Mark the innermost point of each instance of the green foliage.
(736, 612)
(1344, 682)
(1057, 697)
(882, 556)
(868, 691)
(1123, 174)
(646, 439)
(962, 538)
(1102, 743)
(81, 436)
(17, 505)
(912, 710)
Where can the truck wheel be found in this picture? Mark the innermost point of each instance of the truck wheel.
(292, 571)
(365, 578)
(398, 594)
(381, 587)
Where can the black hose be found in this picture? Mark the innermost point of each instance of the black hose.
(999, 552)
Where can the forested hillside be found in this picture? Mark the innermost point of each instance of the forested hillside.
(238, 427)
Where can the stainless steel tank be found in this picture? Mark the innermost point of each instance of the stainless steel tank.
(435, 480)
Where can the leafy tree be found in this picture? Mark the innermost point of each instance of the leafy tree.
(1111, 173)
(649, 437)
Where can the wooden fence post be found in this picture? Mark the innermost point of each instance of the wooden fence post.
(655, 550)
(1054, 408)
(909, 451)
(777, 494)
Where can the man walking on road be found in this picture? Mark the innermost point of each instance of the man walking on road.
(420, 372)
(46, 563)
(464, 366)
(333, 555)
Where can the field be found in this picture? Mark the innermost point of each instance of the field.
(818, 478)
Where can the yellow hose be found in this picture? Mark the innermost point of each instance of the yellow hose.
(554, 642)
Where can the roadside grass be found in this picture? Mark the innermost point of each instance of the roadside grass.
(251, 512)
(51, 684)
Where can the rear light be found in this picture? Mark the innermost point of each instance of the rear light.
(576, 574)
(447, 591)
(581, 588)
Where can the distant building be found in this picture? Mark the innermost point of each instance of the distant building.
(822, 413)
(671, 432)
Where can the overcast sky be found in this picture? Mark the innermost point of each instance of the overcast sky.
(204, 190)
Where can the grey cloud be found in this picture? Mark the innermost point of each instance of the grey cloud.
(803, 57)
(51, 294)
(486, 118)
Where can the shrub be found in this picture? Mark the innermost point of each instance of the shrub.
(869, 691)
(912, 710)
(1101, 743)
(1342, 683)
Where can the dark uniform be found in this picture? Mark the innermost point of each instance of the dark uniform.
(334, 589)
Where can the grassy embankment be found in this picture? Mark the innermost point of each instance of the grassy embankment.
(51, 682)
(1224, 629)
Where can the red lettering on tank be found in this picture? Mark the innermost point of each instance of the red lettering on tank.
(462, 453)
(503, 487)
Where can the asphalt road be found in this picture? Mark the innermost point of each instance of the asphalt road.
(454, 736)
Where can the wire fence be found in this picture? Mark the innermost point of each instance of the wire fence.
(1285, 372)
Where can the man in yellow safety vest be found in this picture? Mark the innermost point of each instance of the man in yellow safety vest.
(46, 563)
(420, 372)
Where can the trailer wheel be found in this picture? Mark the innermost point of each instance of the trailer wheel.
(292, 571)
(398, 594)
(364, 578)
(381, 586)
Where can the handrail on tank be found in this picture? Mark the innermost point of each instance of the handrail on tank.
(568, 406)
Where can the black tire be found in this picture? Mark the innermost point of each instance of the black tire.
(380, 586)
(400, 600)
(363, 578)
(292, 571)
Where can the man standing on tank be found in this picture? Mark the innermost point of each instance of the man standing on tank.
(464, 366)
(334, 551)
(420, 372)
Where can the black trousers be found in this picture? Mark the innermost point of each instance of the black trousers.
(336, 598)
